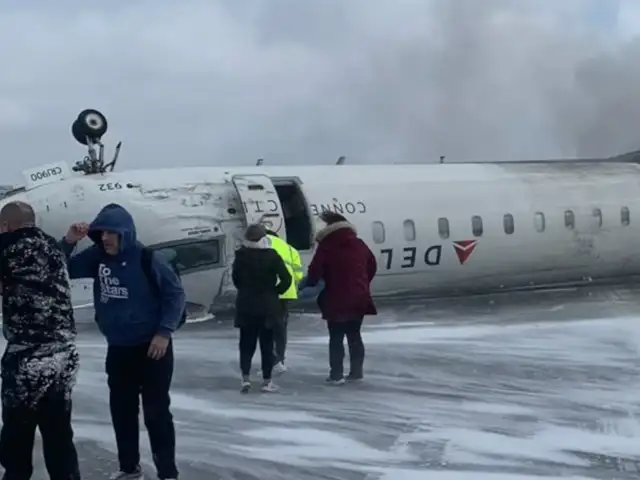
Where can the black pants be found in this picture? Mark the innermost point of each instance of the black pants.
(52, 416)
(280, 333)
(132, 373)
(337, 332)
(250, 334)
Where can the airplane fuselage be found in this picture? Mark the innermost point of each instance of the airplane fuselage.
(435, 229)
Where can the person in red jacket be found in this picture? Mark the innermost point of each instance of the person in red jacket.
(347, 266)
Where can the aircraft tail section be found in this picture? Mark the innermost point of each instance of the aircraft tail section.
(629, 157)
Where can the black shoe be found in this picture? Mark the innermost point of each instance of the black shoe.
(354, 377)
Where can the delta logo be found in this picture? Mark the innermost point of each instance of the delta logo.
(464, 249)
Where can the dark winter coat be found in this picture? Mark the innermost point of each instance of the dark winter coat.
(260, 277)
(38, 321)
(347, 266)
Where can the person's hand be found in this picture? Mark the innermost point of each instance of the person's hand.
(158, 347)
(77, 231)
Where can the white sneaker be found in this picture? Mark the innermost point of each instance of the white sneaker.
(279, 368)
(335, 382)
(137, 475)
(245, 386)
(268, 387)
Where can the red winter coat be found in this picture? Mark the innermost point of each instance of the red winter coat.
(347, 266)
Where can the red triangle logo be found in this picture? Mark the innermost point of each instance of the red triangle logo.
(464, 249)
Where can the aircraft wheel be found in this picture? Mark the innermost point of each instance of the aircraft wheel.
(90, 123)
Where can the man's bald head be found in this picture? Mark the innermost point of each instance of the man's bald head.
(15, 215)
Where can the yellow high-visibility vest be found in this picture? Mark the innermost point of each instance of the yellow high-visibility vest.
(292, 261)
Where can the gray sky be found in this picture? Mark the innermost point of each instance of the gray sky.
(204, 82)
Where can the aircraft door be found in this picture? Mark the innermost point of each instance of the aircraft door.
(260, 202)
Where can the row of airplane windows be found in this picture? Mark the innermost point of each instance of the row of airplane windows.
(508, 223)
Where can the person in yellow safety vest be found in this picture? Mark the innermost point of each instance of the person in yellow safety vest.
(291, 259)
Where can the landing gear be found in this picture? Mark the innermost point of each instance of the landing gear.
(88, 130)
(90, 126)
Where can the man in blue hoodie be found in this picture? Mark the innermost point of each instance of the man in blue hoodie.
(137, 324)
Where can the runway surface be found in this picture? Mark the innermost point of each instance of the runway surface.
(520, 387)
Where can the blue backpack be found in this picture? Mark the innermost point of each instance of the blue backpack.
(146, 258)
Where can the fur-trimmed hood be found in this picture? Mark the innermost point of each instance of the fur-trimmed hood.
(263, 243)
(334, 227)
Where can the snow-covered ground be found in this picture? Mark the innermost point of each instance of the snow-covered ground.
(485, 393)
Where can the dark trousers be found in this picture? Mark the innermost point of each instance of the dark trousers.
(131, 374)
(52, 416)
(280, 333)
(250, 334)
(337, 332)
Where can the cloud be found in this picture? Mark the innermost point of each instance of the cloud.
(222, 83)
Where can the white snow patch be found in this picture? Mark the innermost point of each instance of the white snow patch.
(190, 403)
(489, 444)
(200, 319)
(496, 408)
(302, 446)
(393, 474)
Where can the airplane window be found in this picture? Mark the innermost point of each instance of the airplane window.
(569, 219)
(597, 215)
(625, 216)
(191, 255)
(409, 230)
(476, 226)
(443, 227)
(539, 222)
(508, 224)
(378, 232)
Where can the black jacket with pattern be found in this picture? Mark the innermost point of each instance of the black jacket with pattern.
(38, 321)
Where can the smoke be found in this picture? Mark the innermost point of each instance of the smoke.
(605, 114)
(472, 80)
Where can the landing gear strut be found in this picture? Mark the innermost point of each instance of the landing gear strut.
(88, 130)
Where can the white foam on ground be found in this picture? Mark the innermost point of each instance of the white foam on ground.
(449, 398)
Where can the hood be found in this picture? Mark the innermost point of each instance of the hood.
(346, 230)
(263, 243)
(114, 218)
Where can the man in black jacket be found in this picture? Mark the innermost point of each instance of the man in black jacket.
(260, 277)
(40, 362)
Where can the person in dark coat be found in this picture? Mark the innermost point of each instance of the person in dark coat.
(260, 277)
(40, 362)
(347, 266)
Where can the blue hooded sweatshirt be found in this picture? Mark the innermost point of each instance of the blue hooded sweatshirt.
(128, 312)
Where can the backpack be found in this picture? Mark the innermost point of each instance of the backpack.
(146, 258)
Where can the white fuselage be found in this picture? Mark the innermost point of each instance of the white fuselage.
(435, 229)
